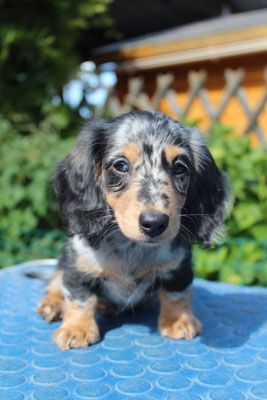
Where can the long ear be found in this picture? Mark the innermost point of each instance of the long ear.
(77, 183)
(207, 198)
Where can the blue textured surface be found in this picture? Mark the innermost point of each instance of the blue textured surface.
(227, 362)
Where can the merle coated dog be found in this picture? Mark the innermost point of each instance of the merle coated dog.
(134, 194)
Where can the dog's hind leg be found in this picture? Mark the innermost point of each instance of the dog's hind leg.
(50, 307)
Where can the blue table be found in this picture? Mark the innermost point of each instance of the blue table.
(227, 362)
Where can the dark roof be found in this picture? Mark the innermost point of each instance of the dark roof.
(197, 29)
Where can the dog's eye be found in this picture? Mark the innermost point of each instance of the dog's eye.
(121, 166)
(178, 168)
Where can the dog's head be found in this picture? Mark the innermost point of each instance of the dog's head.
(147, 172)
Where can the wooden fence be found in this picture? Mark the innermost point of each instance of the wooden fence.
(166, 98)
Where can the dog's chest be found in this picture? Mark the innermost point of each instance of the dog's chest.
(138, 272)
(128, 273)
(125, 294)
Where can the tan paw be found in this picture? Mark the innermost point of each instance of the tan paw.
(73, 336)
(186, 327)
(50, 309)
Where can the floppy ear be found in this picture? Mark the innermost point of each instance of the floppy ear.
(77, 183)
(207, 198)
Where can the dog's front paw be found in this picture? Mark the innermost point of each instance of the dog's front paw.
(186, 327)
(50, 308)
(75, 336)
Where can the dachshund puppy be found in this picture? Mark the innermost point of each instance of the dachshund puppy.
(134, 194)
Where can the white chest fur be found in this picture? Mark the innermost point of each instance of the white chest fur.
(125, 295)
(121, 270)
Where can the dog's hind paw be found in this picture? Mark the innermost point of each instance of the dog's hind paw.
(50, 308)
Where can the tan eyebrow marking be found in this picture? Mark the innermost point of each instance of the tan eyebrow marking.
(171, 152)
(131, 152)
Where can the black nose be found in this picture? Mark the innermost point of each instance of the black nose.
(153, 224)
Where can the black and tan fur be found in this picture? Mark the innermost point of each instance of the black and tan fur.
(134, 194)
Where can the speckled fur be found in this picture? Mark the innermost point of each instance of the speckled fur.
(108, 257)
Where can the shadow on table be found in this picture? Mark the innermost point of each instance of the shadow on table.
(228, 319)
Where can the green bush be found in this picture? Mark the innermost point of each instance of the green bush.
(243, 258)
(38, 57)
(241, 261)
(247, 172)
(27, 204)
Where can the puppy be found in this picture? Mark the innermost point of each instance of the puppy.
(134, 194)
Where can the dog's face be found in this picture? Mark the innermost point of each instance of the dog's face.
(145, 178)
(155, 176)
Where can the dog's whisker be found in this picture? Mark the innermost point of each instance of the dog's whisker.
(112, 232)
(188, 215)
(186, 231)
(108, 229)
(97, 212)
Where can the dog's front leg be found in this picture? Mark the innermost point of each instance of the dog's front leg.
(79, 327)
(176, 319)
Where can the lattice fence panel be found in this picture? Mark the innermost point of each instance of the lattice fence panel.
(137, 99)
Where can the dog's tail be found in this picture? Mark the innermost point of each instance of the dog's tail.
(42, 275)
